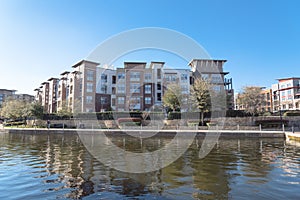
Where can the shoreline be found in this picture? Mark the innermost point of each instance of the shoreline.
(145, 132)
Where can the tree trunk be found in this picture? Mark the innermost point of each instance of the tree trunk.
(202, 119)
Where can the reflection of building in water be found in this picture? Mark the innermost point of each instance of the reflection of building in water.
(57, 154)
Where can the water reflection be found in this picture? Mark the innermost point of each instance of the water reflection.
(53, 166)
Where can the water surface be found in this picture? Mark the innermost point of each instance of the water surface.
(58, 166)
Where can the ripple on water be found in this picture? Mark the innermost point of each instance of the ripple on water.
(56, 168)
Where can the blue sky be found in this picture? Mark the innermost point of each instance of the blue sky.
(40, 39)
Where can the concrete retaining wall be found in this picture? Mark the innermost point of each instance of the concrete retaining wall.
(224, 133)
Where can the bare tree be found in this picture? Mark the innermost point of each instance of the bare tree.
(252, 99)
(173, 97)
(200, 96)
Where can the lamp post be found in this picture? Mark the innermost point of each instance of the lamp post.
(279, 104)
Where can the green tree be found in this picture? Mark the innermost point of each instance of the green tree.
(37, 110)
(65, 110)
(15, 109)
(252, 99)
(200, 96)
(173, 97)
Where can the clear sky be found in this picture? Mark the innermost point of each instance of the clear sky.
(40, 39)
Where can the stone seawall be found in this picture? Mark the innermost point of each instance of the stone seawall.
(228, 123)
(112, 132)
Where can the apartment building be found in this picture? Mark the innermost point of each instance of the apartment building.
(4, 94)
(25, 97)
(83, 79)
(63, 91)
(212, 70)
(286, 94)
(135, 86)
(52, 97)
(268, 106)
(11, 94)
(105, 89)
(139, 86)
(44, 91)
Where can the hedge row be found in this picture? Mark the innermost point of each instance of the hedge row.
(196, 115)
(153, 115)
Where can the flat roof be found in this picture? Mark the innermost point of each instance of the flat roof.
(225, 73)
(196, 59)
(82, 61)
(8, 90)
(50, 79)
(144, 63)
(159, 62)
(283, 79)
(64, 73)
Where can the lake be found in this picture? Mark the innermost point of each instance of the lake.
(58, 166)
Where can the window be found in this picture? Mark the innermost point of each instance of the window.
(148, 77)
(171, 77)
(113, 79)
(205, 76)
(283, 95)
(158, 86)
(121, 76)
(158, 73)
(103, 78)
(90, 75)
(147, 100)
(216, 78)
(217, 88)
(289, 94)
(103, 89)
(147, 89)
(103, 100)
(184, 89)
(113, 102)
(158, 96)
(121, 100)
(89, 99)
(89, 87)
(135, 76)
(184, 77)
(121, 89)
(135, 103)
(134, 88)
(80, 87)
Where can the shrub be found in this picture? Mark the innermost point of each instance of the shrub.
(129, 121)
(292, 113)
